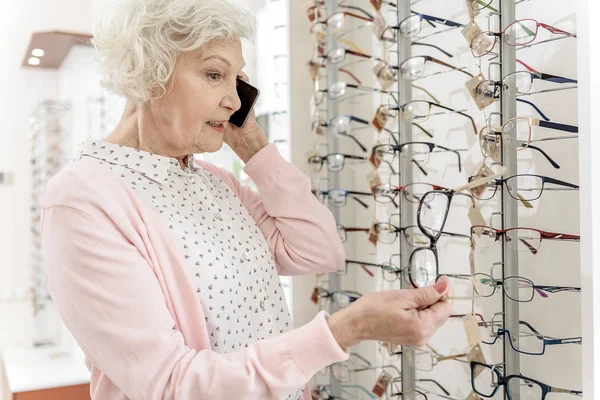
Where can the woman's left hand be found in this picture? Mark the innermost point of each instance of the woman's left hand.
(248, 140)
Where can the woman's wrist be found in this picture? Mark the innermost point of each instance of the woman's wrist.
(247, 144)
(345, 328)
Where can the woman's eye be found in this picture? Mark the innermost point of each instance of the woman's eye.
(214, 76)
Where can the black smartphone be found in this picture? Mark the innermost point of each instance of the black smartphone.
(248, 95)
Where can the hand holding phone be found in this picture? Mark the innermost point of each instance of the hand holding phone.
(248, 95)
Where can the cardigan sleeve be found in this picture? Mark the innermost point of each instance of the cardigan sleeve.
(109, 298)
(301, 231)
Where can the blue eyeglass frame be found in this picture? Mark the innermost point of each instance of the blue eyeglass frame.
(504, 381)
(546, 342)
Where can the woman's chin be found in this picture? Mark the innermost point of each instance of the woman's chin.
(214, 145)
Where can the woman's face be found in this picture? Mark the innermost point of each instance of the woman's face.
(203, 94)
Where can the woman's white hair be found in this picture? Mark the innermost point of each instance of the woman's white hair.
(138, 41)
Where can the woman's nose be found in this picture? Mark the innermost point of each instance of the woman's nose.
(232, 99)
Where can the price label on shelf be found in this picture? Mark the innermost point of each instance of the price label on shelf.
(473, 396)
(472, 330)
(476, 354)
(481, 93)
(475, 216)
(373, 234)
(385, 75)
(382, 384)
(472, 8)
(379, 25)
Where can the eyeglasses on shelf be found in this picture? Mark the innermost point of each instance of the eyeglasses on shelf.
(344, 230)
(487, 379)
(341, 125)
(336, 23)
(315, 65)
(518, 33)
(335, 161)
(490, 144)
(337, 197)
(520, 83)
(521, 127)
(411, 26)
(420, 111)
(413, 68)
(516, 288)
(339, 89)
(527, 341)
(528, 187)
(388, 233)
(519, 239)
(341, 299)
(420, 152)
(432, 214)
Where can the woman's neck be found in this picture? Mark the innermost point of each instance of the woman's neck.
(127, 133)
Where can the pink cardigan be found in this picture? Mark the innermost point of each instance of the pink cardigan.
(119, 283)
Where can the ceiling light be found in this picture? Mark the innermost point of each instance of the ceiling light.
(34, 61)
(38, 52)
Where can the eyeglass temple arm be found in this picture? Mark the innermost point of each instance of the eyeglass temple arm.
(544, 117)
(481, 3)
(537, 334)
(359, 201)
(362, 263)
(560, 127)
(423, 130)
(420, 168)
(561, 183)
(556, 30)
(434, 46)
(458, 112)
(426, 20)
(573, 340)
(363, 55)
(443, 21)
(453, 151)
(356, 229)
(435, 60)
(455, 234)
(359, 10)
(454, 357)
(550, 160)
(358, 143)
(351, 75)
(557, 289)
(556, 78)
(436, 383)
(559, 390)
(353, 15)
(559, 236)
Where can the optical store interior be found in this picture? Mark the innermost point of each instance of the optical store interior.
(446, 137)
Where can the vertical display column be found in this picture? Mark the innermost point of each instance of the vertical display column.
(510, 216)
(406, 177)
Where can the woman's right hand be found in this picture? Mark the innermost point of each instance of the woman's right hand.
(407, 317)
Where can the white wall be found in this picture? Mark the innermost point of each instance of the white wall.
(589, 87)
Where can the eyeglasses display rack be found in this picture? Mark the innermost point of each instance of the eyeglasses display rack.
(49, 138)
(474, 143)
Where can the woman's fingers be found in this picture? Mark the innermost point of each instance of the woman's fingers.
(438, 313)
(428, 295)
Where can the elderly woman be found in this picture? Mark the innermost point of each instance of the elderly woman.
(165, 269)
